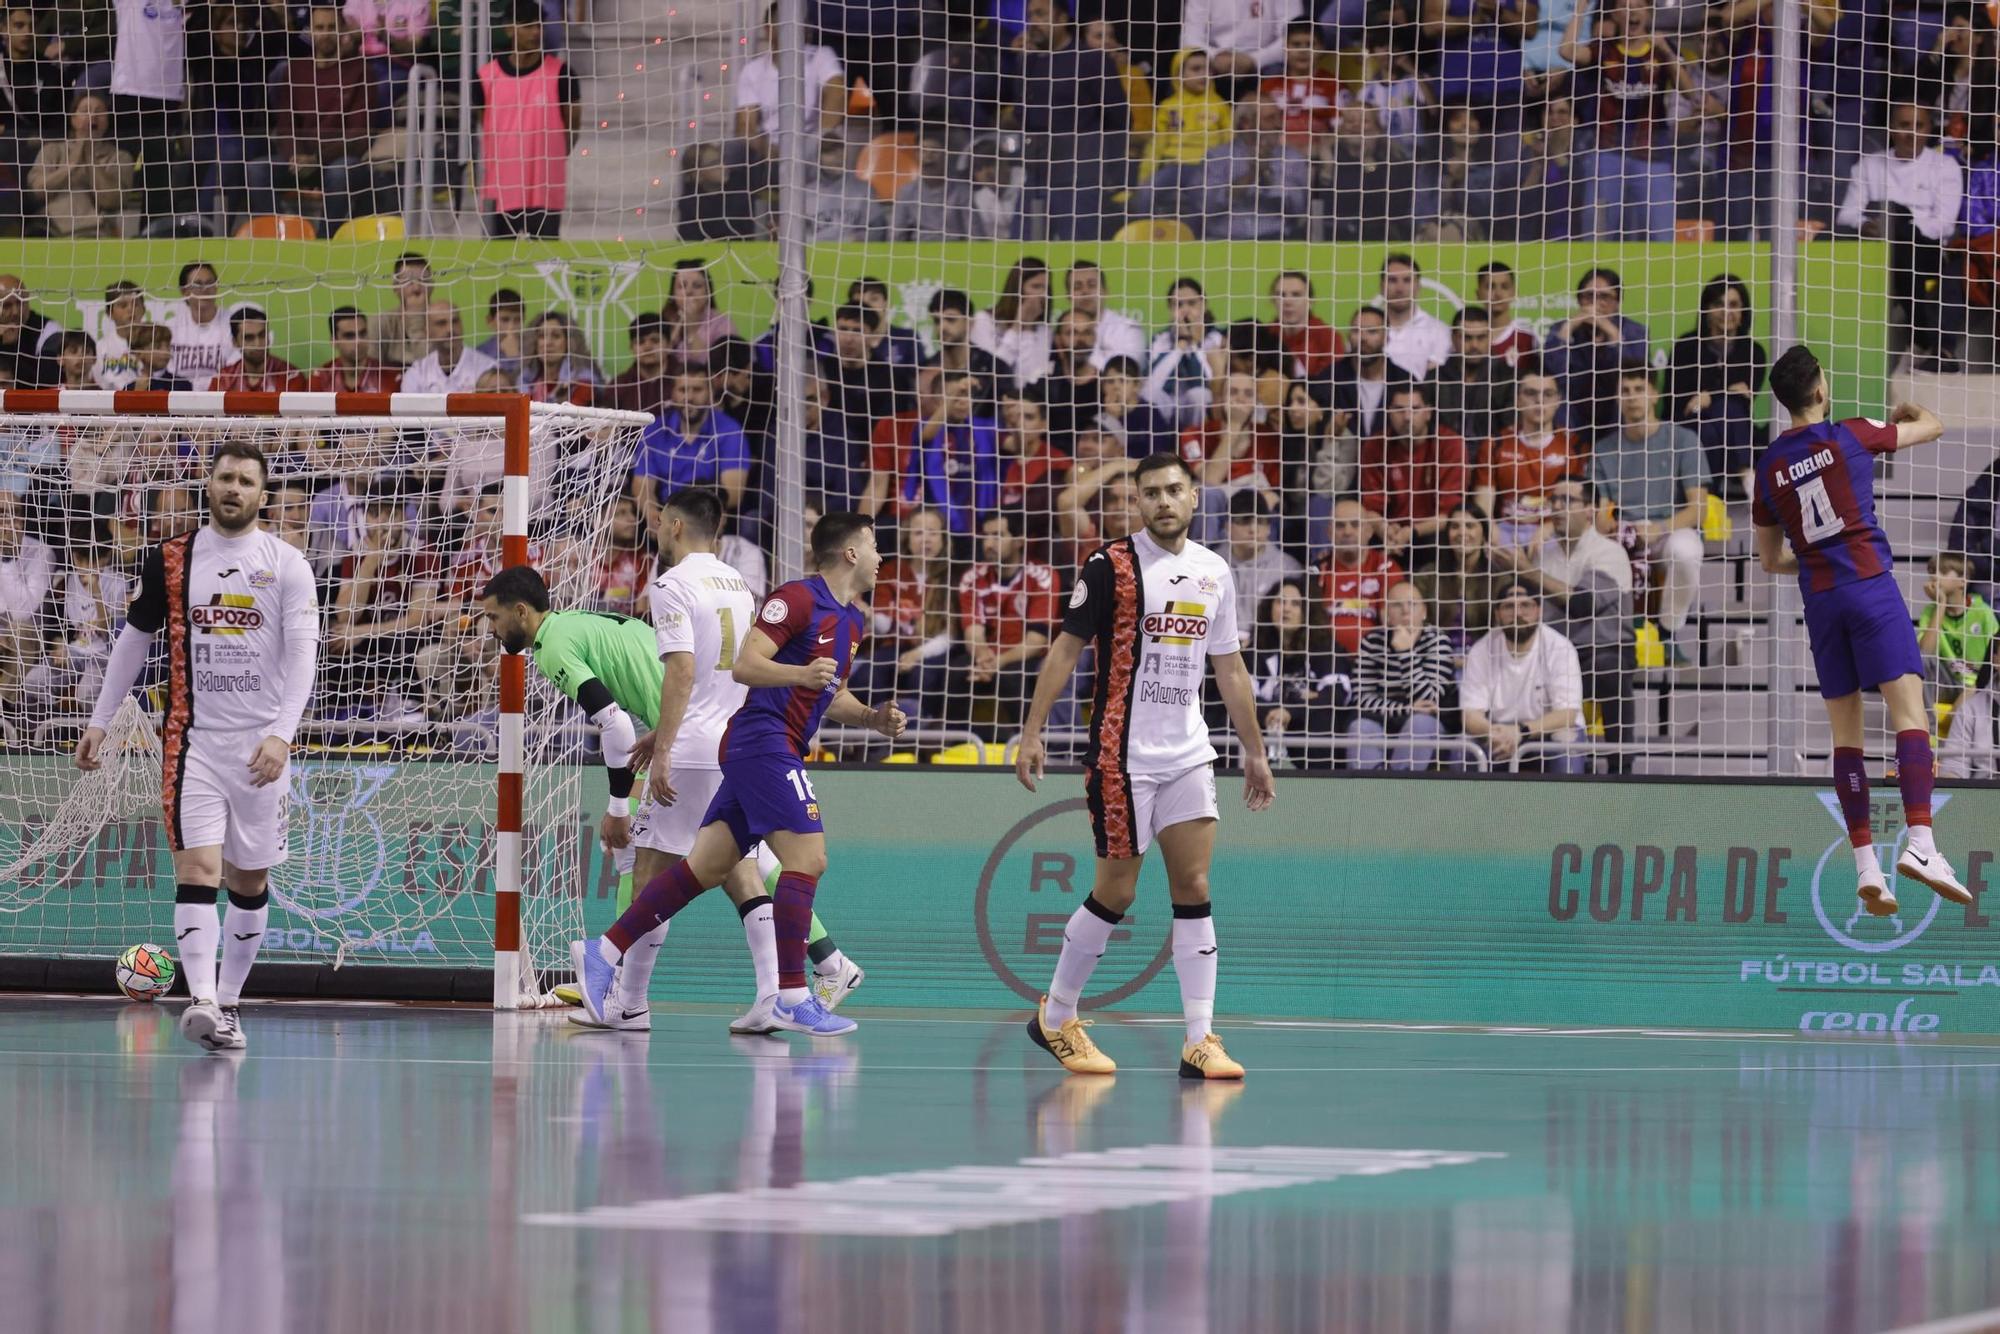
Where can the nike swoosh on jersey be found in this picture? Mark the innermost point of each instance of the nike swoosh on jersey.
(826, 639)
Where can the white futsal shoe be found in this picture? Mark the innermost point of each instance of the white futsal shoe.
(1935, 874)
(759, 1018)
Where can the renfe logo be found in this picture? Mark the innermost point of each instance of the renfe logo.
(1868, 1021)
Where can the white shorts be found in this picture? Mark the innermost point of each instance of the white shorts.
(1127, 810)
(210, 798)
(672, 828)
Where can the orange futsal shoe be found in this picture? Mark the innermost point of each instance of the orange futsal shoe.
(1207, 1060)
(1069, 1044)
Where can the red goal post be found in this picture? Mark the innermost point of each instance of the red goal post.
(515, 415)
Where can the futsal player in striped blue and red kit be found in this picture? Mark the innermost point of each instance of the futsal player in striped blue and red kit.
(795, 662)
(1814, 509)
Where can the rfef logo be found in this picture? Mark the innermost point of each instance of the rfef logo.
(1035, 878)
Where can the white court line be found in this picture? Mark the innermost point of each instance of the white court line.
(1975, 1322)
(553, 1018)
(1732, 1068)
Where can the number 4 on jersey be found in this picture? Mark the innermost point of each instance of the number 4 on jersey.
(1816, 512)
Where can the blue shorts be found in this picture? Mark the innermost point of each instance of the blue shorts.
(764, 794)
(1861, 636)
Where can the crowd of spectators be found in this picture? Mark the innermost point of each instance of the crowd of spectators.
(1453, 120)
(120, 118)
(1444, 533)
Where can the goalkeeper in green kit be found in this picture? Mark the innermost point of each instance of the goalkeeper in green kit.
(674, 677)
(1955, 635)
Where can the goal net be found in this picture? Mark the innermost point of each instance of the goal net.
(1378, 274)
(440, 802)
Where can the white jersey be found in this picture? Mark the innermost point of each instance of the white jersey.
(200, 350)
(705, 608)
(150, 56)
(231, 608)
(1156, 617)
(429, 376)
(118, 366)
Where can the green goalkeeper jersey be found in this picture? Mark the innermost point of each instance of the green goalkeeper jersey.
(575, 647)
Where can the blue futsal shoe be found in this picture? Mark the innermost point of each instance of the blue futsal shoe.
(809, 1017)
(594, 979)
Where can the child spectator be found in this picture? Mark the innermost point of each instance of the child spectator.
(528, 101)
(506, 314)
(1191, 120)
(1956, 633)
(124, 310)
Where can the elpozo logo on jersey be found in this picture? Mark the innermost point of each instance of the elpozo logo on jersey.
(1180, 623)
(227, 614)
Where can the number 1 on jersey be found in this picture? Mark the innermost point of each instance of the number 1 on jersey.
(1816, 512)
(726, 658)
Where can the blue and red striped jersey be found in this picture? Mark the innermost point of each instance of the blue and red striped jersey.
(805, 621)
(1818, 483)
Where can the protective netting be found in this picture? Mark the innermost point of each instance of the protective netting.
(393, 788)
(1379, 271)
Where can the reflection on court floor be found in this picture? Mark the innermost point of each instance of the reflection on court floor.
(382, 1169)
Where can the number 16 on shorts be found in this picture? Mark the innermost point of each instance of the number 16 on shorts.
(802, 788)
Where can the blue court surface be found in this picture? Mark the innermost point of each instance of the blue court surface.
(382, 1169)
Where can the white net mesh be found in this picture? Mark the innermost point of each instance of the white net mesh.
(393, 785)
(1144, 226)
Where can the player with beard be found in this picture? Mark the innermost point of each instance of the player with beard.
(1157, 607)
(242, 622)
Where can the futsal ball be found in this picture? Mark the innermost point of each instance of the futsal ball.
(145, 972)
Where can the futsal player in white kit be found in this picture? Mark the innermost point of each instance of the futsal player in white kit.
(1159, 609)
(241, 618)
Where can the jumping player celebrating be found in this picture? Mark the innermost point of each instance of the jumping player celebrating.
(1154, 604)
(242, 623)
(794, 663)
(1815, 514)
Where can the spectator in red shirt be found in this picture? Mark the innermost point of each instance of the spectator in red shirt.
(623, 571)
(386, 611)
(259, 371)
(1525, 461)
(1231, 445)
(352, 370)
(1097, 506)
(910, 635)
(1496, 289)
(1035, 470)
(321, 128)
(1311, 343)
(1414, 473)
(1310, 99)
(1008, 607)
(1355, 575)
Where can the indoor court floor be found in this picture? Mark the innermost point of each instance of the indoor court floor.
(382, 1169)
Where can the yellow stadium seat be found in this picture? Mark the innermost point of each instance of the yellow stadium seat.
(965, 752)
(1715, 524)
(900, 757)
(1593, 720)
(277, 227)
(889, 162)
(1649, 651)
(374, 227)
(1155, 230)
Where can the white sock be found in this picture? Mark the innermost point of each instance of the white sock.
(1865, 861)
(608, 952)
(790, 996)
(242, 933)
(636, 974)
(1922, 841)
(760, 933)
(1084, 938)
(831, 965)
(197, 931)
(1194, 965)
